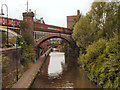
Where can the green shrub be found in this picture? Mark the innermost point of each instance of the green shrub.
(102, 60)
(27, 52)
(93, 51)
(5, 64)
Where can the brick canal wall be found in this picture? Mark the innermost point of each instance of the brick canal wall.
(13, 57)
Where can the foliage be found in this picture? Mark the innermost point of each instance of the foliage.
(104, 15)
(24, 26)
(102, 61)
(27, 36)
(3, 39)
(64, 46)
(20, 41)
(82, 32)
(5, 64)
(58, 41)
(93, 51)
(70, 49)
(99, 22)
(27, 52)
(13, 40)
(96, 34)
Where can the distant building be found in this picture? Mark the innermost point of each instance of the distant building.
(70, 19)
(40, 21)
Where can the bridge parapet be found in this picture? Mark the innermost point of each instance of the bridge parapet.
(51, 28)
(40, 34)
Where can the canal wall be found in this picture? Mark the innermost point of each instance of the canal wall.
(13, 57)
(27, 78)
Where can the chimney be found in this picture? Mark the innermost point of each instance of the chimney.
(78, 12)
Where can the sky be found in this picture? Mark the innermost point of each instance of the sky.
(54, 12)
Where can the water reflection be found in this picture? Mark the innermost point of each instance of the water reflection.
(57, 60)
(52, 75)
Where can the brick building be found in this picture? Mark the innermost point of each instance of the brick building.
(70, 19)
(40, 21)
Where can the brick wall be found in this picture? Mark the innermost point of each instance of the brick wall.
(10, 75)
(70, 20)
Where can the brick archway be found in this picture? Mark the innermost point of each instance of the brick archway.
(52, 36)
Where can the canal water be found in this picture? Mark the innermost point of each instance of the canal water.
(55, 74)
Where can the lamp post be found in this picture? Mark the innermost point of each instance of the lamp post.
(7, 18)
(16, 56)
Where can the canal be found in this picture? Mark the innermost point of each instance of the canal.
(56, 74)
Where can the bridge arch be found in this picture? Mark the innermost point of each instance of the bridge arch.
(41, 40)
(10, 31)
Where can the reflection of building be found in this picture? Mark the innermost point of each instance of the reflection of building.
(70, 19)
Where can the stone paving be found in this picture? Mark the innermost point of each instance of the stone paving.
(29, 75)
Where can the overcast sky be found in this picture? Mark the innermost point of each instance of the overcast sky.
(54, 12)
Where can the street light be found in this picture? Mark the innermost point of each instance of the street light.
(7, 18)
(16, 56)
